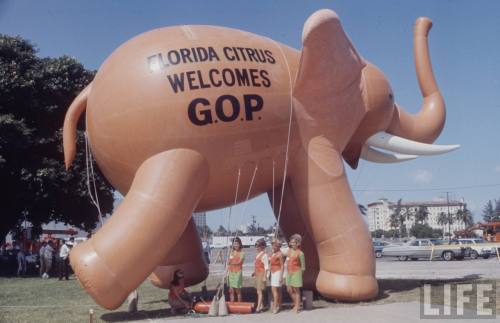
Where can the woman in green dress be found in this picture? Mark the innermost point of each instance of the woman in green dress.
(235, 278)
(295, 267)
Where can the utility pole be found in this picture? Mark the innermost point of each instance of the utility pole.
(449, 216)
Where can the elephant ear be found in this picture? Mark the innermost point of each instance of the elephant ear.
(327, 93)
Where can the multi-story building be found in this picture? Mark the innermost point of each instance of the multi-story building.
(379, 214)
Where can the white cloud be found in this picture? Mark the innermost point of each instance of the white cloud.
(422, 176)
(497, 168)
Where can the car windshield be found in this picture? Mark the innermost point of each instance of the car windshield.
(479, 241)
(436, 242)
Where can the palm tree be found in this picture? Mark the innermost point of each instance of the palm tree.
(465, 216)
(421, 215)
(398, 217)
(442, 220)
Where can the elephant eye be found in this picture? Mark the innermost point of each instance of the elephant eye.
(391, 96)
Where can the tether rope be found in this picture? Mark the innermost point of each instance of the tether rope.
(285, 169)
(236, 231)
(88, 164)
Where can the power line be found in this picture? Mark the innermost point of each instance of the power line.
(427, 189)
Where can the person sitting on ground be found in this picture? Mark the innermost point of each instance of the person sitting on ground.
(178, 297)
(277, 267)
(295, 267)
(235, 279)
(261, 272)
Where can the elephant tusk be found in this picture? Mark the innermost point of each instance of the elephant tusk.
(401, 145)
(377, 156)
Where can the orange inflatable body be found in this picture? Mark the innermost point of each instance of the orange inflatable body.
(175, 114)
(232, 307)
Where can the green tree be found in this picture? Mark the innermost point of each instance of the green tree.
(362, 209)
(260, 231)
(488, 212)
(35, 93)
(221, 231)
(423, 231)
(496, 213)
(204, 231)
(378, 233)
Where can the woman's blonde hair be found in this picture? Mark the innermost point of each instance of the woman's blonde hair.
(297, 237)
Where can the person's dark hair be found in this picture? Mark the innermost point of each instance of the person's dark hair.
(44, 243)
(260, 243)
(50, 242)
(176, 279)
(72, 239)
(237, 239)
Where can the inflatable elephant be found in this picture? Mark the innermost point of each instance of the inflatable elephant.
(175, 114)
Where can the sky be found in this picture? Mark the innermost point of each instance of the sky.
(465, 52)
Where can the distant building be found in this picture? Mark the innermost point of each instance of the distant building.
(379, 214)
(200, 219)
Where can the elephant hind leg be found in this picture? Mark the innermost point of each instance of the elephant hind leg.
(187, 255)
(147, 224)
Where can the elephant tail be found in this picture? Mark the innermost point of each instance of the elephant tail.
(70, 123)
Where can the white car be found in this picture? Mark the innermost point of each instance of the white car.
(425, 248)
(477, 247)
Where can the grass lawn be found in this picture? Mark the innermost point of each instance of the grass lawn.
(50, 300)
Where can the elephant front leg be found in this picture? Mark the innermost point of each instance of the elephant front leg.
(187, 255)
(148, 223)
(347, 263)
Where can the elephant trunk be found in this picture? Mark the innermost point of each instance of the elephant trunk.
(427, 124)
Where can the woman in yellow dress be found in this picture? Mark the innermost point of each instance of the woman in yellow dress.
(295, 268)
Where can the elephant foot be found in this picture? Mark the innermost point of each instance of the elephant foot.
(96, 278)
(195, 272)
(346, 287)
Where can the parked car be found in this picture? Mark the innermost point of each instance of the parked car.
(476, 247)
(425, 248)
(378, 247)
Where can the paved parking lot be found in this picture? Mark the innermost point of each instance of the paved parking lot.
(438, 269)
(391, 268)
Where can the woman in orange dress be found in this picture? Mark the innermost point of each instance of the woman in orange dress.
(261, 272)
(277, 267)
